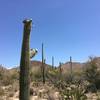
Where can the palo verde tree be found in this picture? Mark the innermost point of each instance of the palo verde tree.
(25, 63)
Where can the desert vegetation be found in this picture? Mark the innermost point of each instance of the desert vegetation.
(82, 85)
(36, 80)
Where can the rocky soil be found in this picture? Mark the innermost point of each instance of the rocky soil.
(38, 91)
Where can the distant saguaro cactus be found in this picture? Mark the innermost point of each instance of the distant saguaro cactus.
(52, 62)
(43, 66)
(71, 68)
(60, 70)
(25, 63)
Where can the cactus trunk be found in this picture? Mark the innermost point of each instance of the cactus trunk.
(43, 66)
(25, 63)
(52, 62)
(60, 71)
(71, 68)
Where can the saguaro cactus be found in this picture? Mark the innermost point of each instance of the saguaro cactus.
(52, 62)
(60, 71)
(25, 63)
(43, 66)
(71, 68)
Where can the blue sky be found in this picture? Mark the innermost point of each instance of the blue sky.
(66, 27)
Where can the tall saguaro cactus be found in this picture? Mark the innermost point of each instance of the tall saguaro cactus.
(25, 63)
(43, 66)
(60, 70)
(52, 62)
(71, 68)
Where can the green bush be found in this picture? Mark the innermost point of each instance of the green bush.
(71, 91)
(92, 74)
(36, 76)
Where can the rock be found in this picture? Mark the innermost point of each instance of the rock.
(34, 98)
(95, 97)
(57, 96)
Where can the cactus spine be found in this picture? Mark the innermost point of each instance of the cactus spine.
(43, 66)
(25, 63)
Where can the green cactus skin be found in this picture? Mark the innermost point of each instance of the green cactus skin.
(43, 66)
(25, 63)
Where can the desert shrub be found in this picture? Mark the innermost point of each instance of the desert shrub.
(36, 76)
(60, 84)
(7, 81)
(2, 93)
(67, 78)
(71, 91)
(11, 94)
(53, 75)
(91, 87)
(15, 76)
(92, 74)
(8, 78)
(74, 93)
